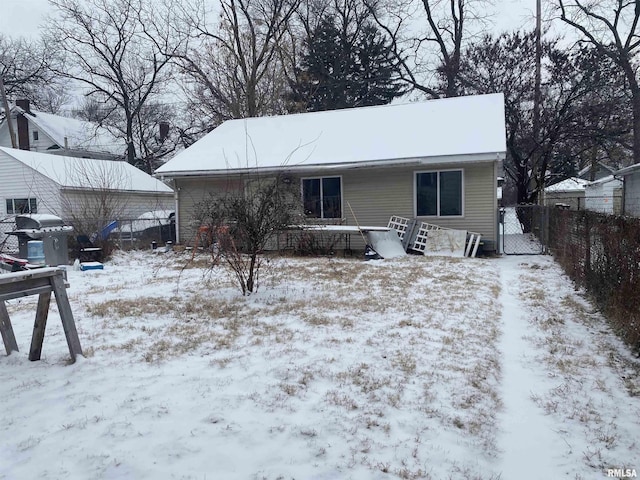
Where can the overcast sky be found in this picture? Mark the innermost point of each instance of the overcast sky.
(23, 17)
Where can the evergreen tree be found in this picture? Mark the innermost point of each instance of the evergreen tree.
(340, 69)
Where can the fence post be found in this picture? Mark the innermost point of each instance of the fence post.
(587, 249)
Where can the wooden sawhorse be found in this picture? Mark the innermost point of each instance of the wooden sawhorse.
(40, 282)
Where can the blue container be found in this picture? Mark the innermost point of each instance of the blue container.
(35, 252)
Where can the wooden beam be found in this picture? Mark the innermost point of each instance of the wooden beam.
(6, 330)
(39, 326)
(66, 315)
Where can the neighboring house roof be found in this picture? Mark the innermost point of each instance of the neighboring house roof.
(602, 181)
(584, 173)
(628, 170)
(472, 126)
(88, 173)
(74, 134)
(573, 184)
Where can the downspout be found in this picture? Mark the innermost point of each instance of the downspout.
(176, 190)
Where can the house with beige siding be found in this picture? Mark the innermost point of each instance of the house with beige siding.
(437, 161)
(77, 189)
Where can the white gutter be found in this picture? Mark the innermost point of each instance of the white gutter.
(443, 159)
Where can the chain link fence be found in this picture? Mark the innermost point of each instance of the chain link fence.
(601, 253)
(524, 229)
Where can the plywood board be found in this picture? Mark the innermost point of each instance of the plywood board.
(448, 243)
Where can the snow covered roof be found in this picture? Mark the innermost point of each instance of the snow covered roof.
(573, 184)
(437, 129)
(79, 134)
(604, 180)
(628, 170)
(83, 173)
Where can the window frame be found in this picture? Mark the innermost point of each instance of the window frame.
(32, 202)
(438, 206)
(322, 177)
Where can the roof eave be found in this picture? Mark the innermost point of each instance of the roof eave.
(627, 170)
(414, 161)
(115, 190)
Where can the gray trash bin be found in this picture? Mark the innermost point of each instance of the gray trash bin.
(48, 228)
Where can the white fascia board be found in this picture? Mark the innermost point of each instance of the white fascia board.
(627, 170)
(407, 162)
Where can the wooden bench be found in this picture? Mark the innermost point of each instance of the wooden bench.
(39, 282)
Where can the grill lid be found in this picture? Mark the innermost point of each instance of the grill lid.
(37, 221)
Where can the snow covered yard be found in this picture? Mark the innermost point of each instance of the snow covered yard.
(337, 368)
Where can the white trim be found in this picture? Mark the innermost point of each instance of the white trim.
(328, 167)
(415, 193)
(316, 177)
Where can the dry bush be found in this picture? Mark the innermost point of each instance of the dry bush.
(602, 254)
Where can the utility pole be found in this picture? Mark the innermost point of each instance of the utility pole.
(7, 112)
(539, 175)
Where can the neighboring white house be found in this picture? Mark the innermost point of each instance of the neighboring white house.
(604, 195)
(437, 161)
(631, 189)
(47, 133)
(70, 186)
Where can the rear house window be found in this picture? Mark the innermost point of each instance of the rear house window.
(439, 193)
(322, 197)
(16, 206)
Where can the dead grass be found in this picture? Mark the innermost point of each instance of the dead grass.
(412, 335)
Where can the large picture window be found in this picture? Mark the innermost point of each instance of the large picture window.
(322, 197)
(16, 206)
(439, 193)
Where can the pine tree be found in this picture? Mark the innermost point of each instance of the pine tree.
(339, 70)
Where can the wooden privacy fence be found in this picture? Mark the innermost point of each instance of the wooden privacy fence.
(39, 282)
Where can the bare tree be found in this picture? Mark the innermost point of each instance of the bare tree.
(99, 200)
(110, 52)
(428, 38)
(611, 26)
(232, 66)
(244, 220)
(25, 68)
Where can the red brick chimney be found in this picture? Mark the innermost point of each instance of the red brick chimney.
(23, 125)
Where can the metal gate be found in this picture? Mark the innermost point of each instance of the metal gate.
(524, 229)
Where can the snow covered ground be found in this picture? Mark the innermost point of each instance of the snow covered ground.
(418, 367)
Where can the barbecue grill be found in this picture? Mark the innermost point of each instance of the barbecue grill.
(48, 228)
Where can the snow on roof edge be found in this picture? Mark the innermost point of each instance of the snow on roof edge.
(363, 134)
(60, 169)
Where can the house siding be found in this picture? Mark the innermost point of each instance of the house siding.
(374, 194)
(127, 205)
(190, 193)
(632, 194)
(20, 181)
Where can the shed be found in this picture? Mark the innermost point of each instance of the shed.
(567, 192)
